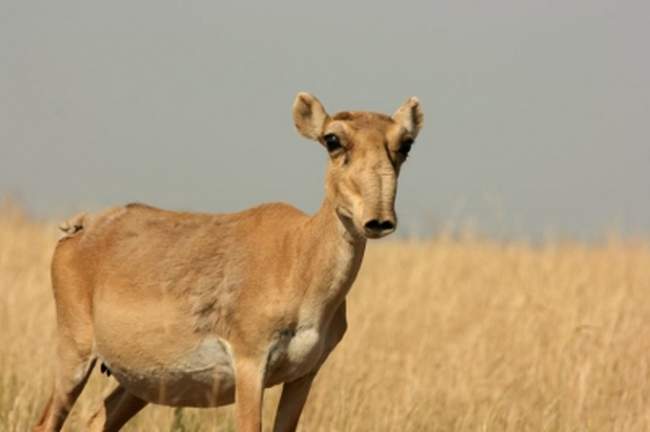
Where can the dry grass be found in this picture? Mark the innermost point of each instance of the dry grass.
(445, 335)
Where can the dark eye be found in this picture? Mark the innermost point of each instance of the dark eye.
(405, 147)
(332, 142)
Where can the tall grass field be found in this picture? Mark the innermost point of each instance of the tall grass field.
(445, 334)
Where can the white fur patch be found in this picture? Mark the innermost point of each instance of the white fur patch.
(302, 346)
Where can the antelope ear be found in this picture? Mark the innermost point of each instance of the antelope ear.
(309, 116)
(410, 116)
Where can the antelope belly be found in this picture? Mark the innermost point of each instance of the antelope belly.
(201, 377)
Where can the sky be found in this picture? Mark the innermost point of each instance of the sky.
(537, 113)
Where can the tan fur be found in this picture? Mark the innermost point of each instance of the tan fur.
(193, 309)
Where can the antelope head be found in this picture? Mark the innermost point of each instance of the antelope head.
(366, 151)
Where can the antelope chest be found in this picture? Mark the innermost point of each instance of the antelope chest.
(294, 353)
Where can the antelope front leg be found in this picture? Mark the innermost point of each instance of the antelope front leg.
(249, 394)
(294, 396)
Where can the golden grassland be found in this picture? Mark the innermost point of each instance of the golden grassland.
(444, 335)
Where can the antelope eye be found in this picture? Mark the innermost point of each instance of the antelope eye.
(332, 142)
(405, 146)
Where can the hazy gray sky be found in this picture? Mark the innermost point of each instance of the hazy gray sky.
(537, 113)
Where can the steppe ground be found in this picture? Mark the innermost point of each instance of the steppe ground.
(445, 334)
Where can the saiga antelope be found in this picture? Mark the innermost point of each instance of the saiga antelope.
(189, 309)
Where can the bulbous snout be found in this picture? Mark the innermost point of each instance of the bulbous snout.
(377, 228)
(378, 215)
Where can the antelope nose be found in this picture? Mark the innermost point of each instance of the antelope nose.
(376, 228)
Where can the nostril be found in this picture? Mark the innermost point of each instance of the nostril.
(373, 225)
(376, 225)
